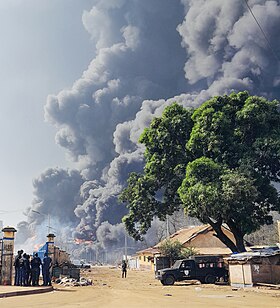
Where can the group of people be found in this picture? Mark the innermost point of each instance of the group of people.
(27, 270)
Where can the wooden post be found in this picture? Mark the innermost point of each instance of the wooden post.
(8, 255)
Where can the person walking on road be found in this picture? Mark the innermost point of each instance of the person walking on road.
(124, 269)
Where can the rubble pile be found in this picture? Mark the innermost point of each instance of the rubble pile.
(71, 282)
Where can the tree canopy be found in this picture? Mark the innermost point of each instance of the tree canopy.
(217, 161)
(175, 250)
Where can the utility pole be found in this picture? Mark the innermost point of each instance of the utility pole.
(167, 226)
(49, 223)
(49, 219)
(125, 246)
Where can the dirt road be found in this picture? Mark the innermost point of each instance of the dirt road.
(140, 289)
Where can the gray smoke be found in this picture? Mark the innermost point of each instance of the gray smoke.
(57, 193)
(148, 54)
(226, 49)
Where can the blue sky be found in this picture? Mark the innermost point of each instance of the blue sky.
(44, 48)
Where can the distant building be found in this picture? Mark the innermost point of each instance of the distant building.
(61, 256)
(145, 258)
(202, 238)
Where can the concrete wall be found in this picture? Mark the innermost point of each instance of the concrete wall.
(266, 273)
(61, 256)
(133, 263)
(145, 262)
(240, 275)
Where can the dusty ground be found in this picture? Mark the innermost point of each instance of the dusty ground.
(140, 289)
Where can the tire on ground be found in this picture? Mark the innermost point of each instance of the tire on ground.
(169, 280)
(210, 279)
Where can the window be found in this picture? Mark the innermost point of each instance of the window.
(186, 265)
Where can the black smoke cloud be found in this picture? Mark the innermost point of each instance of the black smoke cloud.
(148, 54)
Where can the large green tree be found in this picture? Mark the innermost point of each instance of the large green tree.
(217, 161)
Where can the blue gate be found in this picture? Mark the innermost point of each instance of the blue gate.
(41, 252)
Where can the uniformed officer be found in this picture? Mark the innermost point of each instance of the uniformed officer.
(46, 266)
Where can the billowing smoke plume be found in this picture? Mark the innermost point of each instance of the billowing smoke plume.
(148, 54)
(226, 48)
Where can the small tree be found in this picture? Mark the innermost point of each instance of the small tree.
(175, 250)
(188, 252)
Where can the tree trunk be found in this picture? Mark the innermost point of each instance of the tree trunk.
(217, 226)
(238, 235)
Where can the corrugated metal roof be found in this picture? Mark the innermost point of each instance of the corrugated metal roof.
(252, 254)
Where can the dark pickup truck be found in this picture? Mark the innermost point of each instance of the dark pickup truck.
(206, 269)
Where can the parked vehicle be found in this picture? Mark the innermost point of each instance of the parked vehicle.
(161, 262)
(206, 269)
(81, 264)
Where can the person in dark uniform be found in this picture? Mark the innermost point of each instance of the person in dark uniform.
(24, 269)
(26, 265)
(21, 272)
(35, 269)
(17, 267)
(46, 266)
(124, 269)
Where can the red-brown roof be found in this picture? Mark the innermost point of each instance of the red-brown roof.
(150, 250)
(187, 234)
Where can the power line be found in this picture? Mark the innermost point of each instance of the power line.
(265, 36)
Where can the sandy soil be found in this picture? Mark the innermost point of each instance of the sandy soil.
(140, 289)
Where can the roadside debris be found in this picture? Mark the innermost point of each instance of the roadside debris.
(269, 286)
(71, 282)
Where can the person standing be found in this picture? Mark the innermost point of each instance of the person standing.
(21, 272)
(17, 267)
(26, 265)
(124, 269)
(35, 269)
(24, 269)
(46, 266)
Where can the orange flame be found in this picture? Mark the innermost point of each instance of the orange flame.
(80, 241)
